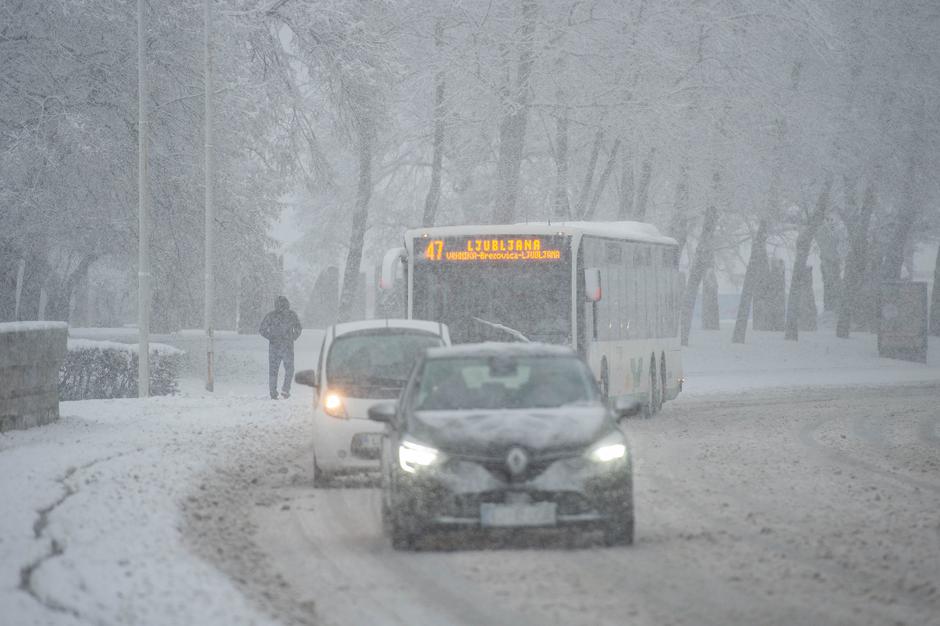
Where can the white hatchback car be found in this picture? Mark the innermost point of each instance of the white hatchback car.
(361, 364)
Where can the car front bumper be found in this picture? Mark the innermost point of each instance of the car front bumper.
(332, 443)
(583, 492)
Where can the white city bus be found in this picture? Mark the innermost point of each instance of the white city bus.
(608, 289)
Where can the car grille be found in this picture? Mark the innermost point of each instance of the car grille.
(495, 464)
(501, 472)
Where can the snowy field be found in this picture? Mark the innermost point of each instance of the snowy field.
(791, 483)
(713, 364)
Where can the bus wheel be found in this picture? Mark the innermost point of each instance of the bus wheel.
(605, 380)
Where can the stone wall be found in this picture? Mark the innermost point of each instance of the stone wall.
(30, 356)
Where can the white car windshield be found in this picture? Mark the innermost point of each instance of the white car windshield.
(377, 358)
(504, 382)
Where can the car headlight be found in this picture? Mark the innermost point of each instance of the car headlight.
(413, 455)
(610, 448)
(333, 405)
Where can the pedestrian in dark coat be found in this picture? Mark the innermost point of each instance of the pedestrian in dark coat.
(281, 328)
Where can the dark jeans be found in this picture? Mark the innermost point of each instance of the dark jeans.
(277, 355)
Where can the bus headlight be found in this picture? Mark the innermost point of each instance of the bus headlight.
(413, 455)
(610, 448)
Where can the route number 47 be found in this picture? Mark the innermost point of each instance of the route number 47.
(434, 250)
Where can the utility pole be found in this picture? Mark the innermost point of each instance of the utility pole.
(210, 208)
(143, 214)
(19, 289)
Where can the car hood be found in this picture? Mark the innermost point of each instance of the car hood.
(492, 433)
(358, 408)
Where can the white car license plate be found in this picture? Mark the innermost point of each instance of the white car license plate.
(537, 514)
(366, 445)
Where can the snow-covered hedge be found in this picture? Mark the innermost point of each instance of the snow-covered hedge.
(107, 369)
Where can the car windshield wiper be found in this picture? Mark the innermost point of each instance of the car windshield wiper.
(376, 381)
(369, 381)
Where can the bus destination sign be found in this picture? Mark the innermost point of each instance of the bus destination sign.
(469, 249)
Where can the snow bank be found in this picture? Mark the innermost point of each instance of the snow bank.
(19, 327)
(92, 527)
(712, 364)
(91, 344)
(107, 369)
(239, 359)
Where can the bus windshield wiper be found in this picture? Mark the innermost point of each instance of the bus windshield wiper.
(512, 331)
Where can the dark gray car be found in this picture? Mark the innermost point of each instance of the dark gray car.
(504, 435)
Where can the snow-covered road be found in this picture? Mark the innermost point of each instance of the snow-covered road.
(812, 507)
(767, 493)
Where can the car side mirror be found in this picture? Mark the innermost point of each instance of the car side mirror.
(383, 412)
(626, 407)
(306, 377)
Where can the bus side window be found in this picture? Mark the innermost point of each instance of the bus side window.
(658, 291)
(616, 288)
(640, 271)
(624, 313)
(629, 293)
(650, 295)
(592, 309)
(602, 309)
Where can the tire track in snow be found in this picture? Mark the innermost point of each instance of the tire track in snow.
(360, 577)
(688, 538)
(852, 553)
(807, 437)
(928, 431)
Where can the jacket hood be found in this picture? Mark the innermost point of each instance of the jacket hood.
(493, 433)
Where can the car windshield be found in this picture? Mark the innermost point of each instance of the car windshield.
(504, 382)
(376, 359)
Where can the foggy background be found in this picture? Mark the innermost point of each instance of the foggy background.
(338, 124)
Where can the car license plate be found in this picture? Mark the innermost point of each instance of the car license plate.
(366, 445)
(537, 514)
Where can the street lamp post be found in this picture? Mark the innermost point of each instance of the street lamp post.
(210, 208)
(143, 214)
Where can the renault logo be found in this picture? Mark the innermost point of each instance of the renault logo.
(517, 460)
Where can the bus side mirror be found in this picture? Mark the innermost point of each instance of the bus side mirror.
(391, 266)
(592, 284)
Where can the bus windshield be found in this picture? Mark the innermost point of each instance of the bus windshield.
(497, 300)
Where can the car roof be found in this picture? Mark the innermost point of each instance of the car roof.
(343, 328)
(492, 348)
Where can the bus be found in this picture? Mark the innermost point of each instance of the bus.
(610, 290)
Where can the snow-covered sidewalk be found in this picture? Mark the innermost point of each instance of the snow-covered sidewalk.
(93, 508)
(712, 364)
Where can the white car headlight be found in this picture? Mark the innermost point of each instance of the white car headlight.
(334, 405)
(610, 448)
(412, 455)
